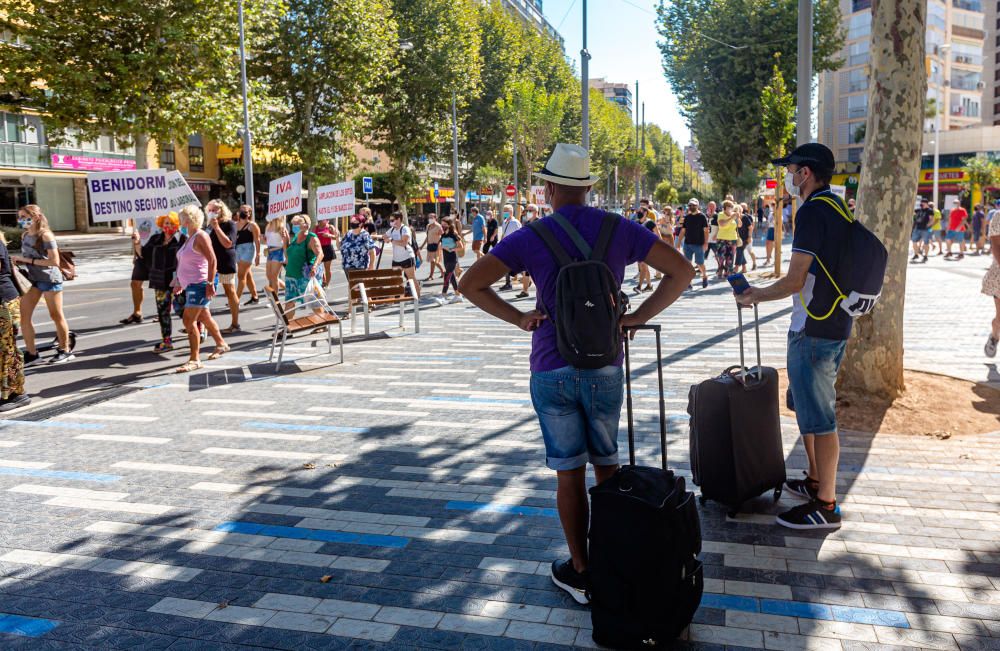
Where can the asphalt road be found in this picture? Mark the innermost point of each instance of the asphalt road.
(110, 355)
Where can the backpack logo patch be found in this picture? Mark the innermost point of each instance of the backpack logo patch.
(588, 304)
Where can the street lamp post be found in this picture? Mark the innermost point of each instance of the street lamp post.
(247, 146)
(454, 152)
(585, 83)
(937, 130)
(804, 82)
(635, 103)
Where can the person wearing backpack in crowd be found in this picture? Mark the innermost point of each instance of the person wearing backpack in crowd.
(400, 236)
(816, 343)
(578, 409)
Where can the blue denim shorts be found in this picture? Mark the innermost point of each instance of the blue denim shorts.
(578, 410)
(275, 255)
(45, 286)
(770, 234)
(813, 363)
(956, 236)
(921, 235)
(245, 252)
(194, 295)
(696, 252)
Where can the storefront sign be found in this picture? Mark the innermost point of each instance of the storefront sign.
(116, 196)
(201, 187)
(179, 192)
(91, 163)
(285, 196)
(335, 200)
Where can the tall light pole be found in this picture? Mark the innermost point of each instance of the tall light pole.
(643, 147)
(247, 146)
(635, 104)
(804, 84)
(585, 83)
(454, 152)
(937, 129)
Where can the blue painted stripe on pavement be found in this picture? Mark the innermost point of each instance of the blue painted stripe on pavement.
(495, 401)
(26, 626)
(51, 423)
(57, 474)
(301, 533)
(260, 424)
(806, 610)
(442, 358)
(493, 507)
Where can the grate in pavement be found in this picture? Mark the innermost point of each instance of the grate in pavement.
(68, 406)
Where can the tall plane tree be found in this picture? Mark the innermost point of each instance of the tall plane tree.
(140, 70)
(889, 166)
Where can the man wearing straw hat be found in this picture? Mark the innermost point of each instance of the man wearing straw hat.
(588, 433)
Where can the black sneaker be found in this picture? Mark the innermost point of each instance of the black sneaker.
(72, 341)
(811, 515)
(566, 577)
(914, 258)
(925, 259)
(15, 401)
(704, 283)
(804, 489)
(31, 358)
(62, 356)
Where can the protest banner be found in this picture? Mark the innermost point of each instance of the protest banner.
(538, 196)
(335, 200)
(285, 196)
(118, 196)
(179, 192)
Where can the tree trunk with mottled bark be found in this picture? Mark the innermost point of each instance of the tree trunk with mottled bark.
(889, 167)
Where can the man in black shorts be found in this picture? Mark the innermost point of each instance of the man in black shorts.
(140, 274)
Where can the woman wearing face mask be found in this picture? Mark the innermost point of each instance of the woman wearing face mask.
(305, 257)
(247, 253)
(12, 395)
(452, 246)
(530, 215)
(161, 253)
(41, 255)
(725, 249)
(196, 268)
(492, 231)
(509, 226)
(223, 235)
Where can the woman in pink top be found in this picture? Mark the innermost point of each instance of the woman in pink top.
(327, 234)
(195, 273)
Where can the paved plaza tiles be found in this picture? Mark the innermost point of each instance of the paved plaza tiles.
(400, 501)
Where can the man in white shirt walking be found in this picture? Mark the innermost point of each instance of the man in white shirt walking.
(508, 226)
(402, 252)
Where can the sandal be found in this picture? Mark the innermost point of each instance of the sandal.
(132, 318)
(219, 351)
(252, 301)
(189, 366)
(231, 329)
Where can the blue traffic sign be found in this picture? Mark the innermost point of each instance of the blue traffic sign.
(366, 183)
(436, 190)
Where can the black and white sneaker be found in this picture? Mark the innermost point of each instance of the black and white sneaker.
(31, 358)
(803, 489)
(62, 356)
(566, 577)
(15, 401)
(811, 515)
(991, 347)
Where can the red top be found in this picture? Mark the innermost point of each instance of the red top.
(956, 219)
(324, 234)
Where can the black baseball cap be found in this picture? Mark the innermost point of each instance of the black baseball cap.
(812, 154)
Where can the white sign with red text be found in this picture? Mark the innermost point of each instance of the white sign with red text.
(538, 196)
(335, 200)
(284, 196)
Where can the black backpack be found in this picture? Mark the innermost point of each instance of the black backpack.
(589, 300)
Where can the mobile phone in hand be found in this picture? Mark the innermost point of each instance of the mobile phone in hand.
(738, 282)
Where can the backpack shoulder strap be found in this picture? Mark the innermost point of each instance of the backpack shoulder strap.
(835, 204)
(604, 237)
(574, 234)
(553, 245)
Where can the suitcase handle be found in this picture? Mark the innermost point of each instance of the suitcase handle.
(756, 323)
(628, 395)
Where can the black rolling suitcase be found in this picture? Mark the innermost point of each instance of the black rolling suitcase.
(645, 578)
(735, 437)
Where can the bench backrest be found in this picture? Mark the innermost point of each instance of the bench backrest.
(276, 305)
(379, 283)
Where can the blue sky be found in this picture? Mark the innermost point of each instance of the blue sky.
(622, 42)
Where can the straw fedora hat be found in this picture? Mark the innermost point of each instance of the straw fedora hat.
(568, 165)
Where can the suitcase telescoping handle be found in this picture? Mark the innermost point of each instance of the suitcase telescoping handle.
(628, 396)
(756, 325)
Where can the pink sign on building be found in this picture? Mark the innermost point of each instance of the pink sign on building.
(91, 163)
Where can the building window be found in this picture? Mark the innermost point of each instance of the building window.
(859, 26)
(167, 157)
(854, 155)
(196, 159)
(935, 16)
(858, 53)
(968, 5)
(860, 5)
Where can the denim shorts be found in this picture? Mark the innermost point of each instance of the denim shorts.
(813, 363)
(921, 235)
(194, 295)
(245, 252)
(46, 286)
(770, 234)
(296, 289)
(956, 236)
(695, 251)
(578, 411)
(275, 255)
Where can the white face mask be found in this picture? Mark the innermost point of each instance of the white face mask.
(790, 186)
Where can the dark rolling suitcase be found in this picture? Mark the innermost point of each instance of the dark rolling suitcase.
(645, 580)
(735, 434)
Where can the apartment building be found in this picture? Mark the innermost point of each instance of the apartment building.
(619, 93)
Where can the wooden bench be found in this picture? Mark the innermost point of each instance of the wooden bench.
(311, 321)
(369, 288)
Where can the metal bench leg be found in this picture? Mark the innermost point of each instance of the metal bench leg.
(329, 340)
(367, 322)
(340, 326)
(281, 351)
(416, 316)
(402, 307)
(274, 343)
(351, 315)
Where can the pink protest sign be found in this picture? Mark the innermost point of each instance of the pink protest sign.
(91, 163)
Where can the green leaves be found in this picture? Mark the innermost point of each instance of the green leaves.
(533, 115)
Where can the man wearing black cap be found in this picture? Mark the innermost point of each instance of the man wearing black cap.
(921, 236)
(818, 333)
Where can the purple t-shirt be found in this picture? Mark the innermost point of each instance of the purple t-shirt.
(524, 250)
